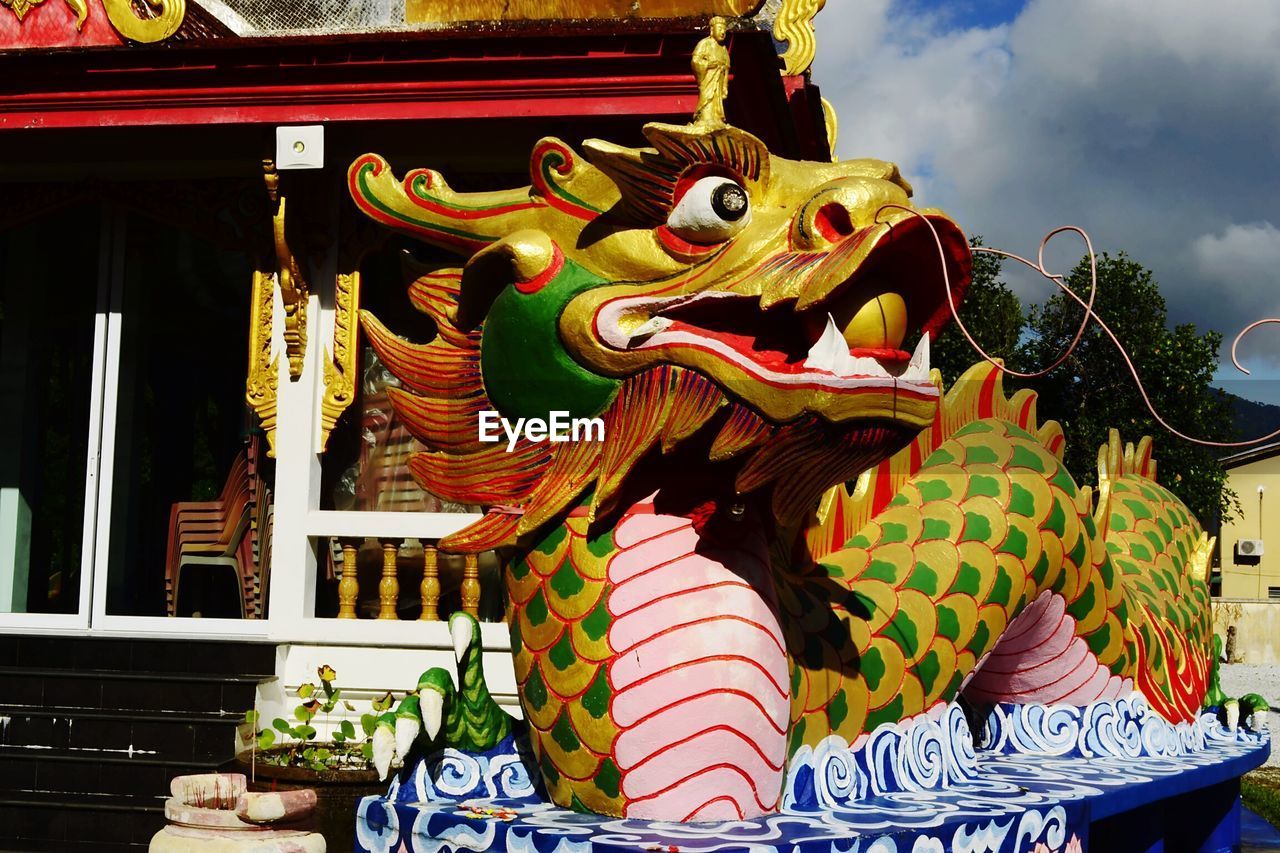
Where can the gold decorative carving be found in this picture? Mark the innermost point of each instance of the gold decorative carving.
(263, 379)
(711, 67)
(294, 290)
(165, 18)
(81, 8)
(794, 25)
(342, 366)
(442, 12)
(164, 21)
(832, 122)
(20, 8)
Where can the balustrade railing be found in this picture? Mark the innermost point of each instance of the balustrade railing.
(429, 589)
(388, 567)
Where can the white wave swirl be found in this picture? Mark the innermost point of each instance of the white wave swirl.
(1127, 727)
(922, 754)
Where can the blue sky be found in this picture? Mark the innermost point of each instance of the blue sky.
(1153, 124)
(963, 14)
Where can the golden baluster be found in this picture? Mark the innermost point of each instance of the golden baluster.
(471, 584)
(389, 586)
(348, 584)
(430, 584)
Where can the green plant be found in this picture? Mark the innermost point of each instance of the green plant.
(294, 743)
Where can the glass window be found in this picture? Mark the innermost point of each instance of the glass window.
(191, 505)
(366, 464)
(48, 296)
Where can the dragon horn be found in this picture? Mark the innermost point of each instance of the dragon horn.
(424, 206)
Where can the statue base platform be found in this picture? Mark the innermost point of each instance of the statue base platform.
(1016, 802)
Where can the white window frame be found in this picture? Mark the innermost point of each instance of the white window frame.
(298, 521)
(58, 622)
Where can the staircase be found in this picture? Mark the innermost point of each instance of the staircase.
(96, 728)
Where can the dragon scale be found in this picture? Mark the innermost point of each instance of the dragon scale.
(930, 614)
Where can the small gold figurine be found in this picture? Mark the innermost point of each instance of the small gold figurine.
(711, 67)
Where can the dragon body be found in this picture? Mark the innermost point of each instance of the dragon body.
(670, 669)
(790, 532)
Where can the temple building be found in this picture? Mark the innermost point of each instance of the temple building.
(1248, 572)
(206, 494)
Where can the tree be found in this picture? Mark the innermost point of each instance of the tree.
(1093, 391)
(993, 315)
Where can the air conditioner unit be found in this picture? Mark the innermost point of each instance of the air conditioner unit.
(1249, 547)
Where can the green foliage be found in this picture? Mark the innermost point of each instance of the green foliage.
(1092, 391)
(346, 731)
(299, 746)
(994, 316)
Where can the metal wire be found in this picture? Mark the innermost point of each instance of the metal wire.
(1089, 316)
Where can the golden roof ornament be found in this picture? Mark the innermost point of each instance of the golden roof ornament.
(452, 12)
(148, 22)
(649, 176)
(711, 67)
(794, 25)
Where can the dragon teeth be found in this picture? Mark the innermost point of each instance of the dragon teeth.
(649, 328)
(918, 369)
(831, 353)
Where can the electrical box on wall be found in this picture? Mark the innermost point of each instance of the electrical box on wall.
(300, 147)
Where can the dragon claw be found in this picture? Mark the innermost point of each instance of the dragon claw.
(384, 749)
(462, 629)
(407, 729)
(432, 707)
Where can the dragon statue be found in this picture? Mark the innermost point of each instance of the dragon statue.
(790, 533)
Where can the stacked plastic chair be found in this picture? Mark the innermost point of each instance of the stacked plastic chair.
(232, 531)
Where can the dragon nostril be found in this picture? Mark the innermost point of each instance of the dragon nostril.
(832, 222)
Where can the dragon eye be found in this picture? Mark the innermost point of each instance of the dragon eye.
(712, 210)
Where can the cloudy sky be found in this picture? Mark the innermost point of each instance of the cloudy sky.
(1153, 124)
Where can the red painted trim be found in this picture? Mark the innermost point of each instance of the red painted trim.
(263, 105)
(253, 82)
(640, 72)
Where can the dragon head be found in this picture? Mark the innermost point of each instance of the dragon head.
(698, 283)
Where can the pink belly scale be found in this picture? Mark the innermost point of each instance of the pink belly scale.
(700, 678)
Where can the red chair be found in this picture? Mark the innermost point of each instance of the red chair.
(232, 532)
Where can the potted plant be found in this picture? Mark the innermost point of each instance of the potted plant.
(290, 755)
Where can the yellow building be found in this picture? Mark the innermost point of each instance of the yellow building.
(1248, 570)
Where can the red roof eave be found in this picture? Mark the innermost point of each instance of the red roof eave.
(281, 83)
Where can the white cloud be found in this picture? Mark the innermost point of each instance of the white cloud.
(1153, 124)
(1242, 256)
(1242, 262)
